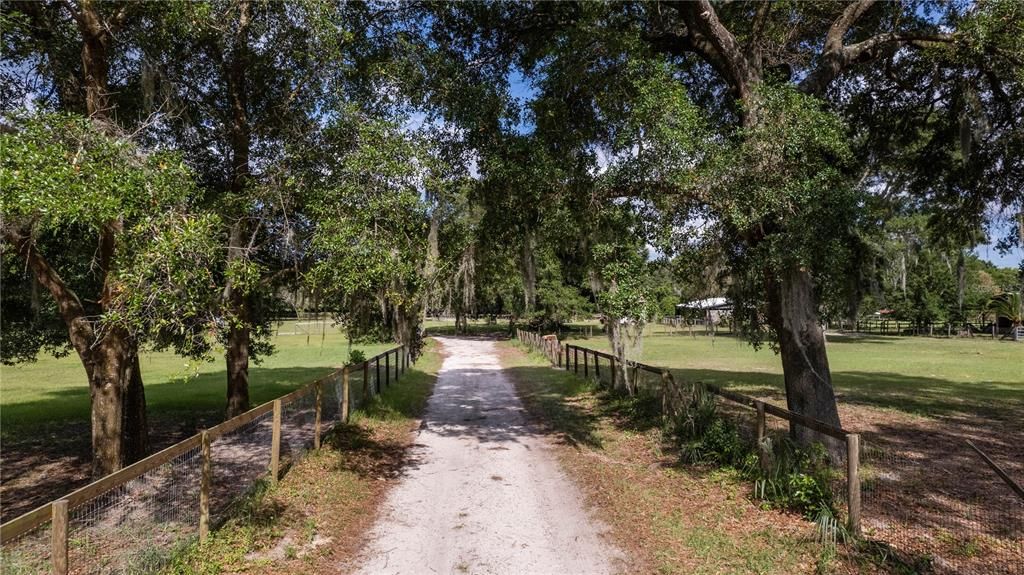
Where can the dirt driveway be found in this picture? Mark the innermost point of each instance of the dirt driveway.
(484, 494)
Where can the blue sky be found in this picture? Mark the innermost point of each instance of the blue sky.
(989, 253)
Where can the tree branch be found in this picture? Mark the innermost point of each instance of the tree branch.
(839, 28)
(70, 306)
(757, 30)
(715, 41)
(837, 57)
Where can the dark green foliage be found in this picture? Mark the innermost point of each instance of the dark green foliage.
(65, 181)
(783, 474)
(355, 356)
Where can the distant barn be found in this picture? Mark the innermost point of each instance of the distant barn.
(711, 310)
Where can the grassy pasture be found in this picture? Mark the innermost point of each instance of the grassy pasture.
(54, 390)
(916, 375)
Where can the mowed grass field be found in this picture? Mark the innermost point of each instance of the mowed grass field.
(917, 375)
(55, 390)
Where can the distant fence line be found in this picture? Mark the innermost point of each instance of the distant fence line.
(978, 534)
(878, 326)
(132, 520)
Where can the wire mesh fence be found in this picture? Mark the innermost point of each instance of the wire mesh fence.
(971, 526)
(135, 526)
(29, 552)
(298, 425)
(890, 503)
(135, 520)
(238, 460)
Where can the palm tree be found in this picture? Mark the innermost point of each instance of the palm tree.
(1009, 305)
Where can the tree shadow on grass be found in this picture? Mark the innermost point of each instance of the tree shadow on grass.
(475, 331)
(925, 493)
(370, 457)
(561, 402)
(204, 394)
(45, 457)
(573, 408)
(929, 396)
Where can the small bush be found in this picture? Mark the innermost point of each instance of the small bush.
(356, 356)
(788, 476)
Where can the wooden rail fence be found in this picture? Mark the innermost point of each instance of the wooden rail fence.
(568, 356)
(56, 512)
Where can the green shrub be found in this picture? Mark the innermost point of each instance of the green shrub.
(356, 356)
(788, 477)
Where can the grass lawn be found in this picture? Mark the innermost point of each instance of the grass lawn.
(433, 327)
(917, 375)
(55, 390)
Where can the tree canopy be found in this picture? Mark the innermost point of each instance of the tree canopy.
(814, 161)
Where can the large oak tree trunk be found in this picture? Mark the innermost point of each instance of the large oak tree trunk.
(239, 332)
(792, 312)
(238, 370)
(119, 432)
(110, 359)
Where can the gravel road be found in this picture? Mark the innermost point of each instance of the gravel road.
(483, 493)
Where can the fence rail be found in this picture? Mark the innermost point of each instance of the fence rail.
(171, 497)
(569, 355)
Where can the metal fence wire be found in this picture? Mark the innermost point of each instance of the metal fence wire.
(973, 525)
(28, 552)
(297, 426)
(135, 526)
(238, 460)
(904, 518)
(137, 519)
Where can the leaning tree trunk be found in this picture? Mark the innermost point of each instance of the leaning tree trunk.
(617, 339)
(793, 315)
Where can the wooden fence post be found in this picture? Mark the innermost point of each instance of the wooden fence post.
(387, 369)
(853, 482)
(205, 479)
(319, 413)
(762, 454)
(666, 406)
(275, 443)
(597, 367)
(586, 364)
(612, 362)
(377, 362)
(344, 395)
(59, 537)
(575, 359)
(760, 422)
(558, 350)
(398, 362)
(366, 380)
